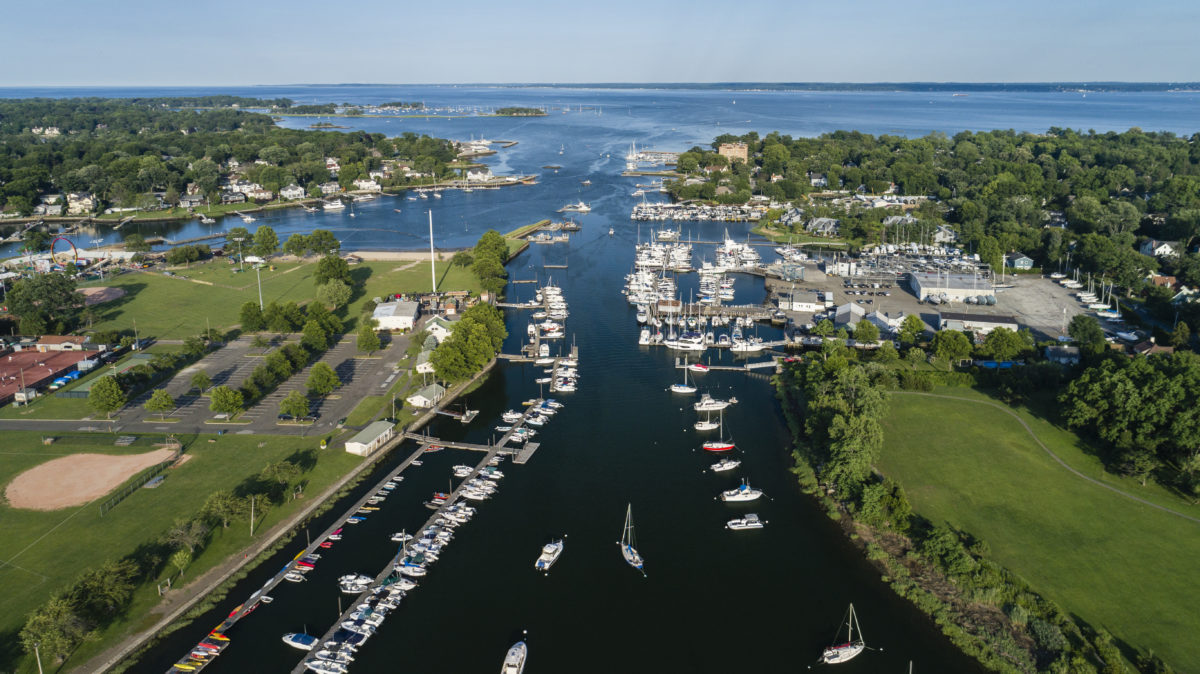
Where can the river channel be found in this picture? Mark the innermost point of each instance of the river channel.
(712, 601)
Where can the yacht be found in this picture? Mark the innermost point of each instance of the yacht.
(706, 425)
(401, 537)
(325, 666)
(334, 205)
(304, 642)
(725, 465)
(550, 554)
(743, 492)
(708, 403)
(514, 660)
(750, 521)
(462, 471)
(644, 337)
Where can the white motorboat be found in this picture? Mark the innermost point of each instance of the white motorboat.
(514, 660)
(325, 666)
(401, 537)
(511, 416)
(644, 337)
(294, 577)
(725, 465)
(750, 521)
(708, 403)
(549, 556)
(848, 649)
(304, 642)
(628, 551)
(333, 205)
(462, 471)
(743, 492)
(341, 657)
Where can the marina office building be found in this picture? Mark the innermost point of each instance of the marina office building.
(955, 287)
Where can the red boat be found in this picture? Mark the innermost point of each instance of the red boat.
(718, 446)
(440, 496)
(327, 544)
(307, 565)
(434, 448)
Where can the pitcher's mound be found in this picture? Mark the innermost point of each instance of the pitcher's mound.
(76, 479)
(93, 296)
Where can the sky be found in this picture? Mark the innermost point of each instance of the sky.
(245, 42)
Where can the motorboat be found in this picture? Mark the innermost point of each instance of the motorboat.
(550, 554)
(294, 577)
(325, 666)
(514, 660)
(341, 657)
(708, 403)
(750, 521)
(401, 537)
(698, 367)
(725, 465)
(462, 471)
(743, 492)
(304, 642)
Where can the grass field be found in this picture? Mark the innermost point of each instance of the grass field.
(176, 308)
(46, 550)
(1116, 563)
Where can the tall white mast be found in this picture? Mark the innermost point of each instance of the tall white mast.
(432, 258)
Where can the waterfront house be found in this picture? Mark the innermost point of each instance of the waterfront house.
(1156, 248)
(793, 216)
(479, 174)
(79, 203)
(331, 165)
(440, 328)
(367, 185)
(822, 227)
(1018, 261)
(943, 234)
(427, 396)
(191, 200)
(733, 152)
(233, 198)
(330, 188)
(292, 191)
(424, 362)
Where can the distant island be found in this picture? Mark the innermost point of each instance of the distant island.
(520, 112)
(972, 87)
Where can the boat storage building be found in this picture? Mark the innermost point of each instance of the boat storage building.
(370, 438)
(978, 323)
(956, 287)
(396, 315)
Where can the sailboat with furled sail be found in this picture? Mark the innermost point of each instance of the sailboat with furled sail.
(629, 552)
(721, 445)
(843, 651)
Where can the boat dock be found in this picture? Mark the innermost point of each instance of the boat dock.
(748, 367)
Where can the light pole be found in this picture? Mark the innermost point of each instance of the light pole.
(239, 240)
(38, 653)
(96, 242)
(258, 274)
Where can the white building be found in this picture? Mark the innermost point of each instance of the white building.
(396, 315)
(888, 325)
(292, 191)
(956, 287)
(479, 174)
(848, 315)
(1156, 248)
(370, 438)
(367, 185)
(427, 397)
(440, 328)
(943, 234)
(978, 323)
(424, 363)
(330, 188)
(79, 203)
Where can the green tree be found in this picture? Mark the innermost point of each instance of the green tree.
(334, 293)
(323, 242)
(180, 559)
(294, 404)
(368, 339)
(886, 353)
(1181, 336)
(224, 400)
(282, 473)
(911, 329)
(824, 328)
(462, 259)
(136, 243)
(54, 629)
(252, 317)
(866, 332)
(224, 507)
(47, 299)
(951, 345)
(332, 268)
(322, 380)
(296, 245)
(915, 356)
(161, 402)
(188, 535)
(266, 242)
(1004, 344)
(1085, 330)
(106, 396)
(314, 337)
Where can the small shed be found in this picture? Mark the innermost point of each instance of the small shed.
(370, 438)
(427, 397)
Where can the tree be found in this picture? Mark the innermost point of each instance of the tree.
(295, 404)
(911, 329)
(180, 560)
(102, 591)
(368, 339)
(1085, 330)
(224, 400)
(259, 342)
(866, 332)
(334, 293)
(322, 380)
(331, 323)
(296, 245)
(824, 328)
(136, 243)
(106, 396)
(313, 337)
(160, 401)
(462, 259)
(48, 299)
(282, 473)
(187, 535)
(53, 629)
(951, 345)
(1003, 344)
(323, 242)
(1181, 335)
(224, 507)
(886, 353)
(332, 268)
(266, 242)
(915, 356)
(252, 317)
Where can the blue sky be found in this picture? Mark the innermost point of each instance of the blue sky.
(223, 42)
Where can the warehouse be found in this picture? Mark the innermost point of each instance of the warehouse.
(948, 287)
(978, 323)
(370, 438)
(396, 315)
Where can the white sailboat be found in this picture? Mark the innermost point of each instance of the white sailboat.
(721, 445)
(843, 651)
(685, 387)
(629, 552)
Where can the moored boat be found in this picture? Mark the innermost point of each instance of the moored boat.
(550, 554)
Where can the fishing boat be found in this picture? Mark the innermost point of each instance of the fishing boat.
(848, 649)
(725, 465)
(750, 521)
(720, 445)
(304, 642)
(628, 551)
(549, 556)
(514, 660)
(743, 492)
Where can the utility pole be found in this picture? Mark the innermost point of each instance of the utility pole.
(258, 274)
(432, 259)
(251, 515)
(37, 652)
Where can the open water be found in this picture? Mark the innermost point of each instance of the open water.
(714, 600)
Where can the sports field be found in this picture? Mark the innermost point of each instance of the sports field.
(47, 549)
(1119, 564)
(212, 293)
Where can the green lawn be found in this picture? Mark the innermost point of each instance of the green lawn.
(177, 308)
(1118, 564)
(46, 550)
